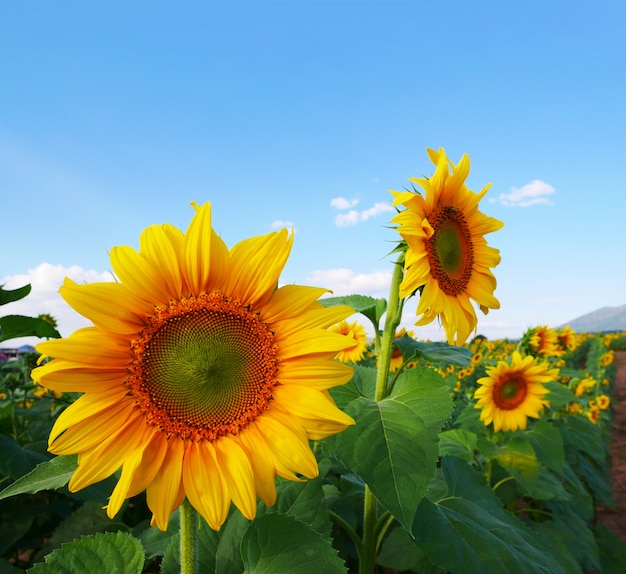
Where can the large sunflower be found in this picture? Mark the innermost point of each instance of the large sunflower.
(447, 256)
(201, 379)
(512, 392)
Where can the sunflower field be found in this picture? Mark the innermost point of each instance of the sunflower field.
(213, 421)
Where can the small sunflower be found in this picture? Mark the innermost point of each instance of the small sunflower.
(544, 341)
(356, 332)
(201, 378)
(512, 392)
(447, 256)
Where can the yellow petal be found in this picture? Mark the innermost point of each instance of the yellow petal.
(85, 407)
(161, 245)
(166, 492)
(139, 276)
(235, 465)
(108, 305)
(65, 377)
(261, 458)
(316, 373)
(102, 461)
(290, 301)
(205, 485)
(256, 266)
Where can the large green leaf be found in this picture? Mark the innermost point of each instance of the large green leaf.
(458, 442)
(393, 446)
(14, 326)
(49, 475)
(276, 544)
(362, 384)
(468, 530)
(110, 552)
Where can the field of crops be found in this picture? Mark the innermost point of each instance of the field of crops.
(514, 501)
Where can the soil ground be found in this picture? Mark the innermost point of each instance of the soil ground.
(615, 519)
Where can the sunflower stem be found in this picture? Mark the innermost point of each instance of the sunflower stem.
(188, 539)
(371, 541)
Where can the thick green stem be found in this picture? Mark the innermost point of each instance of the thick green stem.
(188, 539)
(367, 559)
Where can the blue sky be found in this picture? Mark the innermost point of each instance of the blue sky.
(115, 115)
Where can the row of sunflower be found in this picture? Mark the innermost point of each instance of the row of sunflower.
(211, 420)
(531, 423)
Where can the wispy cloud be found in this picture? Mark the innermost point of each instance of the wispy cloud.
(343, 203)
(44, 297)
(534, 193)
(353, 216)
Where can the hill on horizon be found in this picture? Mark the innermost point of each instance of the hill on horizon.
(603, 319)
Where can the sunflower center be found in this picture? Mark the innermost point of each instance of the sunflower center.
(450, 250)
(204, 367)
(509, 391)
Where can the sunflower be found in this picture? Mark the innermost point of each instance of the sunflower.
(357, 333)
(201, 379)
(447, 256)
(544, 341)
(512, 392)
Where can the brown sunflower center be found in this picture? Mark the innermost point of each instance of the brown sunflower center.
(509, 391)
(204, 367)
(450, 250)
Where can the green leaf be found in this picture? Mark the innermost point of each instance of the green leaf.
(16, 461)
(304, 501)
(458, 442)
(548, 445)
(48, 475)
(110, 552)
(612, 551)
(393, 446)
(11, 295)
(518, 458)
(560, 396)
(276, 544)
(400, 553)
(469, 531)
(434, 352)
(372, 308)
(13, 326)
(362, 384)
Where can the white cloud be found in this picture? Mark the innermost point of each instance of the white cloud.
(344, 281)
(533, 193)
(353, 217)
(348, 219)
(44, 297)
(377, 208)
(343, 203)
(280, 224)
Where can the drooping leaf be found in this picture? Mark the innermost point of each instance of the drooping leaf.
(371, 307)
(434, 352)
(104, 552)
(548, 445)
(276, 544)
(469, 531)
(393, 446)
(11, 295)
(48, 475)
(518, 458)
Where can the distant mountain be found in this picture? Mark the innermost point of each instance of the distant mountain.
(604, 319)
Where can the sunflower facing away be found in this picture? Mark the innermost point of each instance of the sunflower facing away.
(357, 333)
(447, 255)
(201, 379)
(512, 392)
